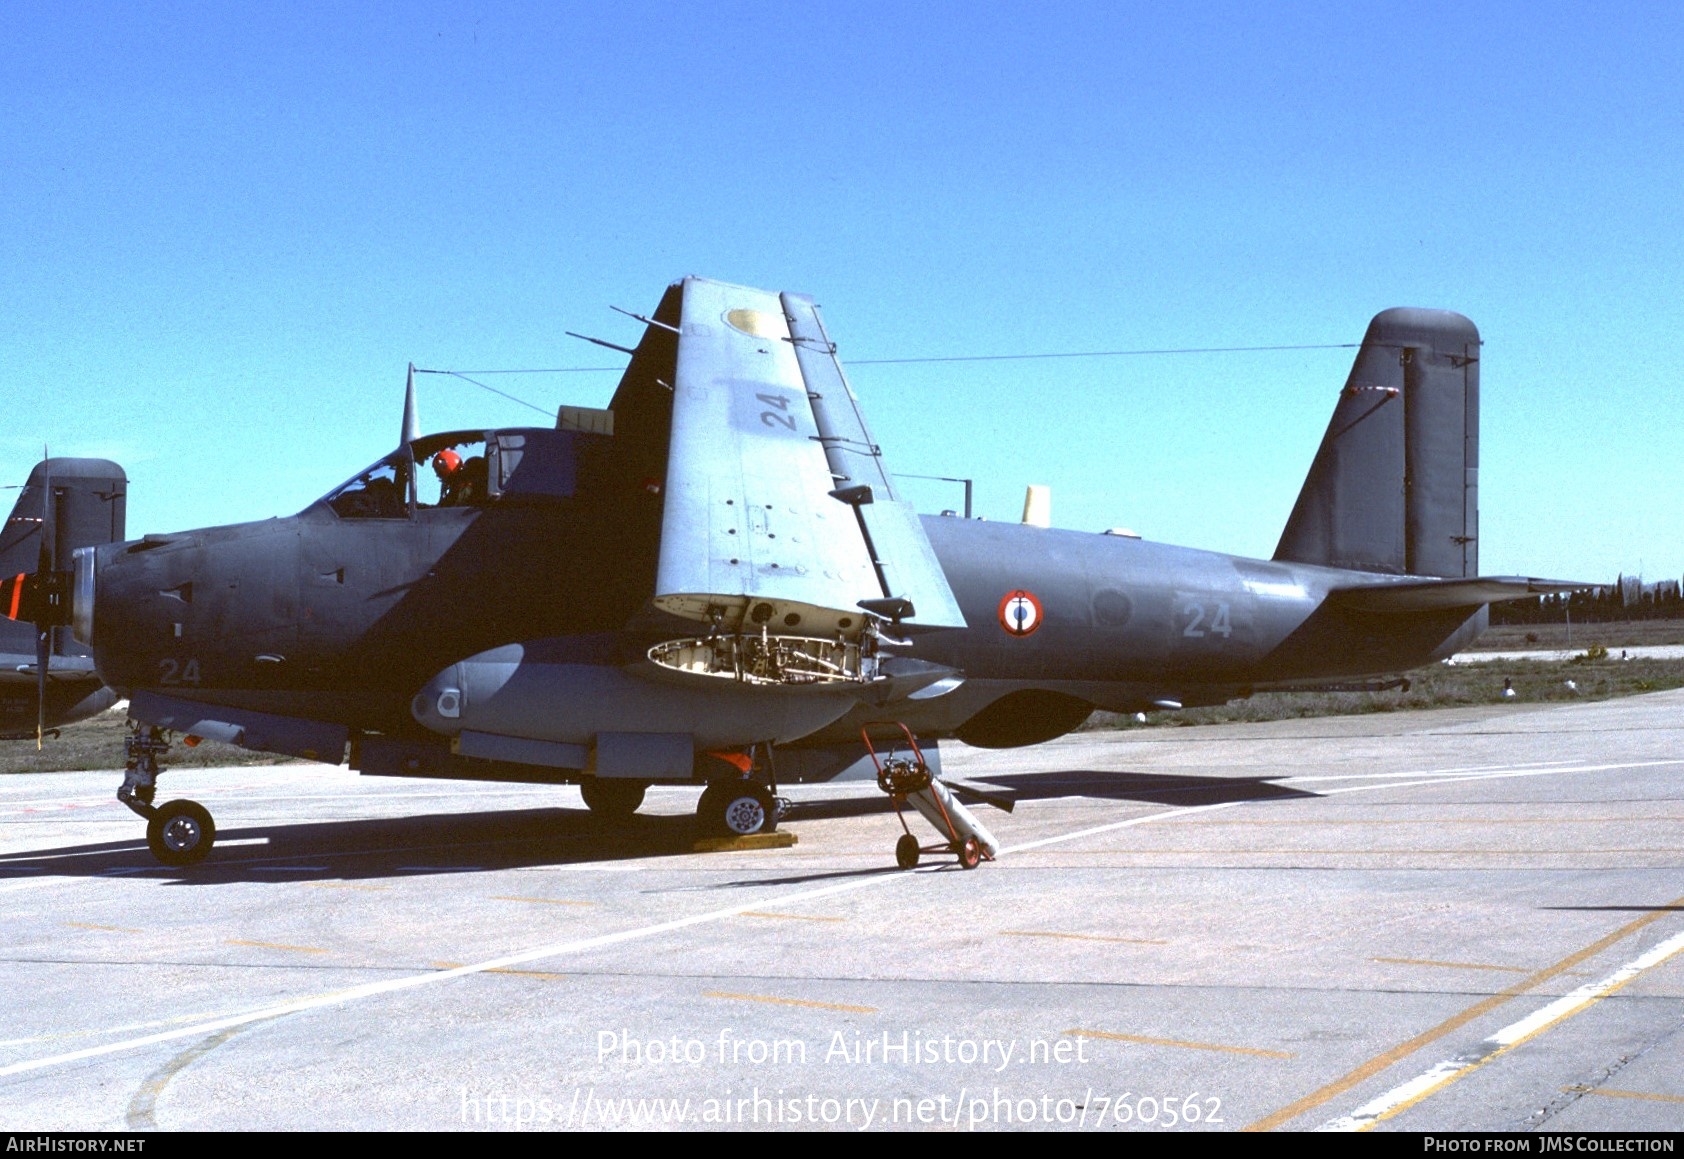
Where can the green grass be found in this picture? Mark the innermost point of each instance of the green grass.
(1438, 686)
(97, 743)
(1557, 637)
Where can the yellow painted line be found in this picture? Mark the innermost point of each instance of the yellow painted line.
(1400, 1098)
(277, 946)
(1455, 1022)
(1624, 1094)
(521, 973)
(542, 900)
(108, 929)
(767, 998)
(341, 885)
(790, 917)
(1144, 1040)
(1452, 965)
(1082, 937)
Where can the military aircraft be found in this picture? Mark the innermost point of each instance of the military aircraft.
(715, 581)
(46, 677)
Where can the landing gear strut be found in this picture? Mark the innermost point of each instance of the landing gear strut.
(178, 832)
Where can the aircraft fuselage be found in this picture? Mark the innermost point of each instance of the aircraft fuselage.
(343, 620)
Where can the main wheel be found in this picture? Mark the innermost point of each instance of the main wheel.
(907, 851)
(736, 810)
(970, 854)
(180, 833)
(612, 799)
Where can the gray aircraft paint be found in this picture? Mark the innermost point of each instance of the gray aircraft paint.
(89, 507)
(535, 609)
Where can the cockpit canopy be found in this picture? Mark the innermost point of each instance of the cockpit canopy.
(474, 469)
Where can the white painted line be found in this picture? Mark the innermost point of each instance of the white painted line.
(438, 868)
(37, 883)
(393, 985)
(288, 869)
(1401, 1097)
(1497, 776)
(1089, 832)
(1452, 775)
(640, 933)
(579, 867)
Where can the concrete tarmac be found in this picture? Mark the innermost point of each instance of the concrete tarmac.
(1469, 919)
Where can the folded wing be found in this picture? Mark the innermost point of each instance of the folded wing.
(779, 516)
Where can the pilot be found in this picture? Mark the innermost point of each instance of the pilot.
(447, 465)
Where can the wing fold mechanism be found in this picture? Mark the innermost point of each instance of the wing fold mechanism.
(780, 527)
(1431, 595)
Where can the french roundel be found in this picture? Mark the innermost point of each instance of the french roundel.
(1020, 613)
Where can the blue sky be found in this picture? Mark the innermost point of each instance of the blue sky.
(227, 229)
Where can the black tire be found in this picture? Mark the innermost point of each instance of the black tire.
(710, 817)
(612, 799)
(970, 854)
(737, 810)
(907, 851)
(180, 833)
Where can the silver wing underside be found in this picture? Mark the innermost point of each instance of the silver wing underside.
(778, 515)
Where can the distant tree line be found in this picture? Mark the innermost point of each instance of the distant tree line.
(1627, 598)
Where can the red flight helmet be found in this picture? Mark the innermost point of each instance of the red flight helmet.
(445, 463)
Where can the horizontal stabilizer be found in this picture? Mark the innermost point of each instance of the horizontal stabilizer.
(1433, 595)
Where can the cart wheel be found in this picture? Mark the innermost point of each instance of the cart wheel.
(970, 854)
(906, 851)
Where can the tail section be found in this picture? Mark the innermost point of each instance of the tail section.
(1395, 485)
(89, 501)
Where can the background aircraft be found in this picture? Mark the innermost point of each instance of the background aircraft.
(47, 678)
(714, 581)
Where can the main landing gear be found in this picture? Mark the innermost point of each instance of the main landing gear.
(611, 798)
(744, 805)
(178, 832)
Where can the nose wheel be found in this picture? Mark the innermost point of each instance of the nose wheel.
(178, 832)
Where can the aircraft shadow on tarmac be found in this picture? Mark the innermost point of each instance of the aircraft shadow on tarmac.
(415, 846)
(431, 844)
(1150, 788)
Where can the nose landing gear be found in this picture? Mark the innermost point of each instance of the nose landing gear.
(180, 832)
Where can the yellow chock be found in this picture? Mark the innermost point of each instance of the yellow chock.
(780, 839)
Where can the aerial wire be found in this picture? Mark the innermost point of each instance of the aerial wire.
(485, 386)
(464, 374)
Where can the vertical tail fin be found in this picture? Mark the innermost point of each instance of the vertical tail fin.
(1395, 485)
(89, 507)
